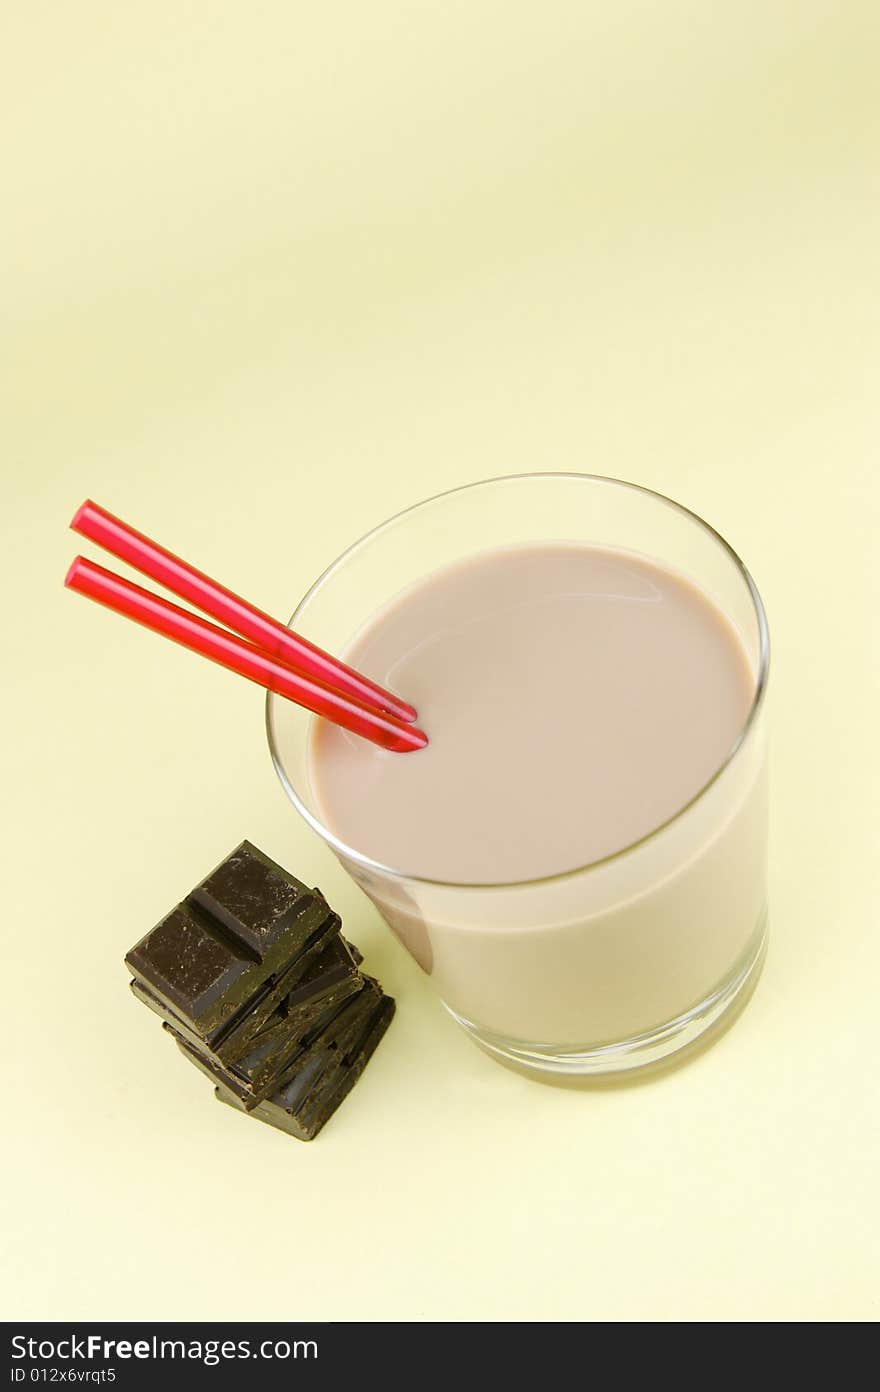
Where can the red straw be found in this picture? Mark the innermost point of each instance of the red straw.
(184, 580)
(239, 656)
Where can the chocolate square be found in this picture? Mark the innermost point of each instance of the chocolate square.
(264, 1069)
(328, 1073)
(253, 979)
(278, 1045)
(252, 897)
(237, 1036)
(211, 955)
(185, 961)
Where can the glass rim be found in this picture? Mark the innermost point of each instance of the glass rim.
(392, 872)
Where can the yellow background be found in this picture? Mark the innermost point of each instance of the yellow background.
(270, 273)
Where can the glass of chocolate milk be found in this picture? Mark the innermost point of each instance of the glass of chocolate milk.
(578, 858)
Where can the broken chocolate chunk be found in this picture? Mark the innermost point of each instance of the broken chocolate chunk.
(188, 964)
(238, 1034)
(307, 1101)
(253, 898)
(270, 1063)
(251, 976)
(203, 971)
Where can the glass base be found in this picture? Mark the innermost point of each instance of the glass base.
(642, 1049)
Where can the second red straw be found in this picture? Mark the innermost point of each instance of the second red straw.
(183, 579)
(238, 655)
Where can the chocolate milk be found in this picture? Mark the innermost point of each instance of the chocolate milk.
(576, 699)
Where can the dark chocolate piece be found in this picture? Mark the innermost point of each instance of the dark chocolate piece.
(277, 1047)
(326, 1094)
(327, 983)
(187, 964)
(209, 957)
(303, 1105)
(305, 1011)
(253, 898)
(237, 1037)
(254, 981)
(333, 965)
(264, 1070)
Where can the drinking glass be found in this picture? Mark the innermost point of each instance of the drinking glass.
(618, 963)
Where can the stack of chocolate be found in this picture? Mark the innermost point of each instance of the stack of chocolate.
(259, 989)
